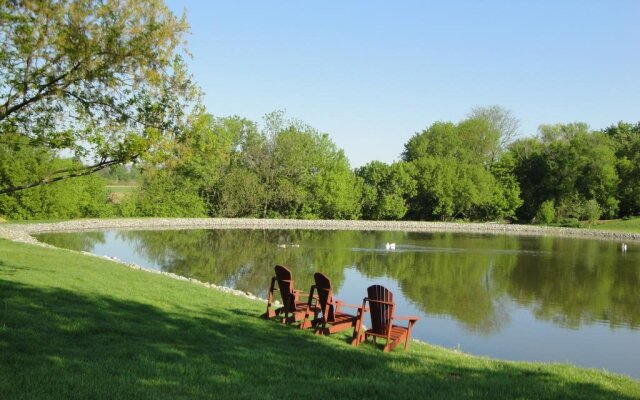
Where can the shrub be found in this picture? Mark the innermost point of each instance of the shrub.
(546, 213)
(591, 211)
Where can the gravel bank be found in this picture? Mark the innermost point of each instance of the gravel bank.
(24, 232)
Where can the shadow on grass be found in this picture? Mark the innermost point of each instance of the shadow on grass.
(59, 344)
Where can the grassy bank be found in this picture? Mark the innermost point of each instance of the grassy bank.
(627, 225)
(74, 326)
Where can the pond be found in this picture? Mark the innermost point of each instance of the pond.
(516, 298)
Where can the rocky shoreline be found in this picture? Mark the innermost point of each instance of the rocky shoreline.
(24, 232)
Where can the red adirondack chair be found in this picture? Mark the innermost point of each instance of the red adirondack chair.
(381, 308)
(293, 308)
(331, 319)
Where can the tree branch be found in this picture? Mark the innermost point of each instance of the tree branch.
(67, 174)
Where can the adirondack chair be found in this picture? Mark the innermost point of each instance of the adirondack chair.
(332, 318)
(381, 308)
(293, 308)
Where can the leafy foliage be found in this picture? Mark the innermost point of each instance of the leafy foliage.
(386, 189)
(453, 164)
(569, 165)
(164, 194)
(100, 79)
(626, 142)
(286, 170)
(79, 197)
(546, 213)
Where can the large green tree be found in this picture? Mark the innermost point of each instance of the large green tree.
(301, 172)
(82, 197)
(569, 165)
(283, 169)
(386, 189)
(501, 122)
(103, 80)
(453, 164)
(626, 142)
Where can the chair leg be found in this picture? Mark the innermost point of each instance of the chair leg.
(269, 314)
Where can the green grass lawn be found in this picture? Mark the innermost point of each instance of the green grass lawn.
(628, 225)
(74, 326)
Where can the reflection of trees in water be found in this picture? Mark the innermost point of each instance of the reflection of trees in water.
(471, 278)
(577, 282)
(244, 259)
(454, 276)
(79, 241)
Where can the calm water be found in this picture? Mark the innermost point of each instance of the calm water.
(517, 298)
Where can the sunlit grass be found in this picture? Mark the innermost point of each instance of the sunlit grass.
(74, 326)
(622, 225)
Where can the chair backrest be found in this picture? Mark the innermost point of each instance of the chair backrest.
(285, 284)
(381, 308)
(325, 296)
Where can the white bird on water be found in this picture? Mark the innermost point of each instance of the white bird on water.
(623, 247)
(390, 246)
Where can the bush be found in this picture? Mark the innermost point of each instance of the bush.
(80, 197)
(591, 211)
(546, 213)
(164, 194)
(569, 223)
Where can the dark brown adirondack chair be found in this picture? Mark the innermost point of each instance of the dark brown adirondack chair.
(332, 319)
(381, 308)
(293, 308)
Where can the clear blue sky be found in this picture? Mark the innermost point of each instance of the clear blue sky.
(373, 73)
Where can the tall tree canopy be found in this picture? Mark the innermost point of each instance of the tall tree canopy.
(386, 189)
(103, 80)
(453, 164)
(501, 122)
(569, 165)
(286, 169)
(626, 142)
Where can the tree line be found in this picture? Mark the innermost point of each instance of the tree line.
(284, 168)
(91, 86)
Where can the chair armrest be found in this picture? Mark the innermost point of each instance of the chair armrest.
(339, 303)
(408, 318)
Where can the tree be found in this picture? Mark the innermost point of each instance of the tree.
(501, 122)
(567, 164)
(386, 189)
(285, 169)
(626, 142)
(102, 80)
(453, 164)
(164, 194)
(304, 174)
(84, 197)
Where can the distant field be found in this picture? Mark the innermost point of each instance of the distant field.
(630, 226)
(121, 188)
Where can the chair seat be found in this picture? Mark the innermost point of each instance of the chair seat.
(396, 332)
(340, 318)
